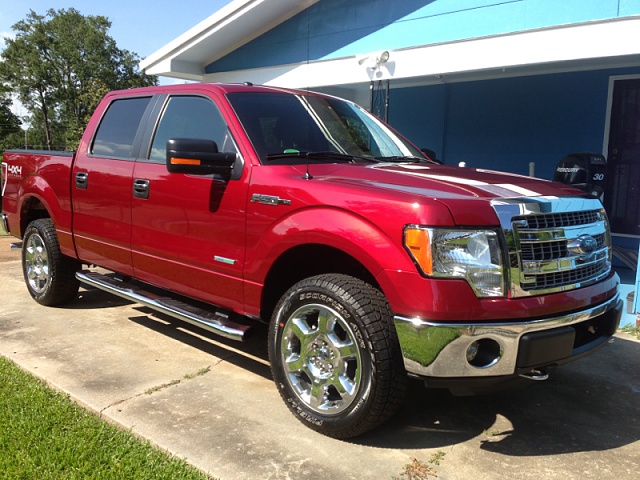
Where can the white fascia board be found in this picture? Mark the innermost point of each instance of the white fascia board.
(187, 70)
(159, 61)
(227, 29)
(546, 50)
(559, 44)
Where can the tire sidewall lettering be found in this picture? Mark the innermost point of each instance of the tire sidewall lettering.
(303, 414)
(338, 306)
(330, 301)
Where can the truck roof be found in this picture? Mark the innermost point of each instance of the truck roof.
(222, 88)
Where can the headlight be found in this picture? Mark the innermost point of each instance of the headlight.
(448, 253)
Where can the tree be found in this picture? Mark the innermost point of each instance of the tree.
(60, 65)
(9, 122)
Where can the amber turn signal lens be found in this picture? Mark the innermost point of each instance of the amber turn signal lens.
(185, 161)
(417, 241)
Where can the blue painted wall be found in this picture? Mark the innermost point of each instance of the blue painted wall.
(504, 124)
(339, 28)
(500, 124)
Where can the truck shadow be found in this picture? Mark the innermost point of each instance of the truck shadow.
(251, 355)
(590, 405)
(90, 298)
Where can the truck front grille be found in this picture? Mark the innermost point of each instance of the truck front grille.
(565, 219)
(554, 244)
(576, 276)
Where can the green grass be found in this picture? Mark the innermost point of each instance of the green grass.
(632, 330)
(45, 435)
(423, 346)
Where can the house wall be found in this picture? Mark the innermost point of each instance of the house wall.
(336, 28)
(504, 124)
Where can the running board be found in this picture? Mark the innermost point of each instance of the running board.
(218, 321)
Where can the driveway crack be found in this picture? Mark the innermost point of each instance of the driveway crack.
(158, 388)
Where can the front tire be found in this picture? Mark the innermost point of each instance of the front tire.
(335, 356)
(49, 275)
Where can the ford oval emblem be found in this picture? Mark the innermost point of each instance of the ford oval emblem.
(587, 244)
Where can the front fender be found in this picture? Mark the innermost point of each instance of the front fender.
(347, 231)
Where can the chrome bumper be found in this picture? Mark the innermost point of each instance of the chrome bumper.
(446, 350)
(4, 222)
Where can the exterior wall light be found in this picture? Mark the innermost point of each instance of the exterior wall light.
(373, 61)
(382, 58)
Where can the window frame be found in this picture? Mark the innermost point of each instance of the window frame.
(138, 136)
(159, 111)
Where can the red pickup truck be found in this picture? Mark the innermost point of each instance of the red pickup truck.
(227, 205)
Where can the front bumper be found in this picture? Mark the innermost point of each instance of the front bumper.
(480, 350)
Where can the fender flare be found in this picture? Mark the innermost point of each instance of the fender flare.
(37, 188)
(343, 230)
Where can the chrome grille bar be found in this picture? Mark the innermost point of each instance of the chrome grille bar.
(554, 244)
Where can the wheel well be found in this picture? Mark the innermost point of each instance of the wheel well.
(306, 261)
(32, 209)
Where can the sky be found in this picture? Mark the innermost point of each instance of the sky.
(140, 26)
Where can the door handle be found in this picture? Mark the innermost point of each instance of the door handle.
(82, 180)
(141, 188)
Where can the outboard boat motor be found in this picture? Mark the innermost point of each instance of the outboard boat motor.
(585, 171)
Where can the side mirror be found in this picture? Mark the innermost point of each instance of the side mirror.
(431, 155)
(198, 156)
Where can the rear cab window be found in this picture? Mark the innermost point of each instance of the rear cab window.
(116, 134)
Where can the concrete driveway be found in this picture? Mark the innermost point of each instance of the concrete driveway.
(212, 401)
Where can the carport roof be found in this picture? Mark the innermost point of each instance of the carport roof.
(585, 46)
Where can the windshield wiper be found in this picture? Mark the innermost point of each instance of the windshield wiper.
(407, 158)
(321, 156)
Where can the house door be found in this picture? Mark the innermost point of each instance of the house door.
(622, 196)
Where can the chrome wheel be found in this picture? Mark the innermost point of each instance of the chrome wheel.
(335, 356)
(321, 359)
(50, 276)
(37, 263)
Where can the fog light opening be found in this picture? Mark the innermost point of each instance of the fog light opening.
(484, 353)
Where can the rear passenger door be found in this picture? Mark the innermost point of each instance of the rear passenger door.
(188, 230)
(101, 185)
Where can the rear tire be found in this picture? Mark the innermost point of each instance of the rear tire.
(335, 356)
(49, 275)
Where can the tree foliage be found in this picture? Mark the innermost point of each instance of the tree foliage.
(60, 65)
(9, 122)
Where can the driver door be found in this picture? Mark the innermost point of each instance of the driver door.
(188, 231)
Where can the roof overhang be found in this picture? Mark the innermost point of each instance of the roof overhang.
(232, 26)
(587, 46)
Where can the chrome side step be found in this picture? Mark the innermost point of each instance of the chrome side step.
(217, 321)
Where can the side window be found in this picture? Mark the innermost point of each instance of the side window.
(190, 117)
(118, 128)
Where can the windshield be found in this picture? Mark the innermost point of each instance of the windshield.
(283, 126)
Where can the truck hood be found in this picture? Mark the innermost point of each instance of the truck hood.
(443, 182)
(465, 192)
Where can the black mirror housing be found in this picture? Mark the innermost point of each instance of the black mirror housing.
(197, 156)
